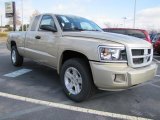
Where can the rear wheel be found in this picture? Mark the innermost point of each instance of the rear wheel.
(16, 59)
(76, 79)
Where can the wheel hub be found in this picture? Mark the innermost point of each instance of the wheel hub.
(73, 80)
(14, 56)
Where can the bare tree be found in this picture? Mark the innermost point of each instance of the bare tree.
(35, 13)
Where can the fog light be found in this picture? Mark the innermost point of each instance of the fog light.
(120, 78)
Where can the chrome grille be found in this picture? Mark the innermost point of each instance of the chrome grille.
(137, 60)
(136, 52)
(140, 57)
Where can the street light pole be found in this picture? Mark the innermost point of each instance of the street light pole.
(22, 14)
(124, 18)
(134, 21)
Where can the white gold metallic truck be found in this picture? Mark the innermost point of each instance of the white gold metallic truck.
(84, 56)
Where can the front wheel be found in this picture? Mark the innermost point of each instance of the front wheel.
(76, 79)
(16, 59)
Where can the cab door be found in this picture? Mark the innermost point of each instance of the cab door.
(47, 41)
(44, 43)
(30, 41)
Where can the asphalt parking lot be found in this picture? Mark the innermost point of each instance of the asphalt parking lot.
(37, 95)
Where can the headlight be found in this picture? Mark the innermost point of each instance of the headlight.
(109, 53)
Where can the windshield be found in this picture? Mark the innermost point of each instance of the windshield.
(136, 33)
(74, 23)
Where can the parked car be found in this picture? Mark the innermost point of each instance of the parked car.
(156, 43)
(84, 56)
(152, 36)
(155, 37)
(143, 34)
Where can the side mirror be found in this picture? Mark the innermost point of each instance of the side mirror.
(48, 28)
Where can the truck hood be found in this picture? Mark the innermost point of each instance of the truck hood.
(118, 38)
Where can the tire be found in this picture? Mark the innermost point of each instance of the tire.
(84, 76)
(16, 59)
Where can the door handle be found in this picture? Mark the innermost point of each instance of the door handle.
(38, 37)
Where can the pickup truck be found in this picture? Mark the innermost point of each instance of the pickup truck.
(84, 56)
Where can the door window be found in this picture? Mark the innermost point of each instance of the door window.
(47, 20)
(35, 22)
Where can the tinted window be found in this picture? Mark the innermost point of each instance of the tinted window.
(136, 33)
(47, 20)
(35, 22)
(117, 31)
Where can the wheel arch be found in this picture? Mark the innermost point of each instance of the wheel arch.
(68, 54)
(13, 43)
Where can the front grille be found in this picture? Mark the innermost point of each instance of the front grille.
(136, 52)
(141, 57)
(137, 60)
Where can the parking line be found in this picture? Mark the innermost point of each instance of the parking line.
(156, 60)
(22, 112)
(157, 75)
(72, 108)
(156, 56)
(155, 85)
(18, 73)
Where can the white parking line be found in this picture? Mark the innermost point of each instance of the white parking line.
(18, 73)
(156, 60)
(157, 75)
(156, 56)
(155, 85)
(22, 112)
(72, 108)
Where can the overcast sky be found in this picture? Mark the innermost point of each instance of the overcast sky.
(103, 12)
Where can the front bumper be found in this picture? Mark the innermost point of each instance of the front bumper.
(116, 76)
